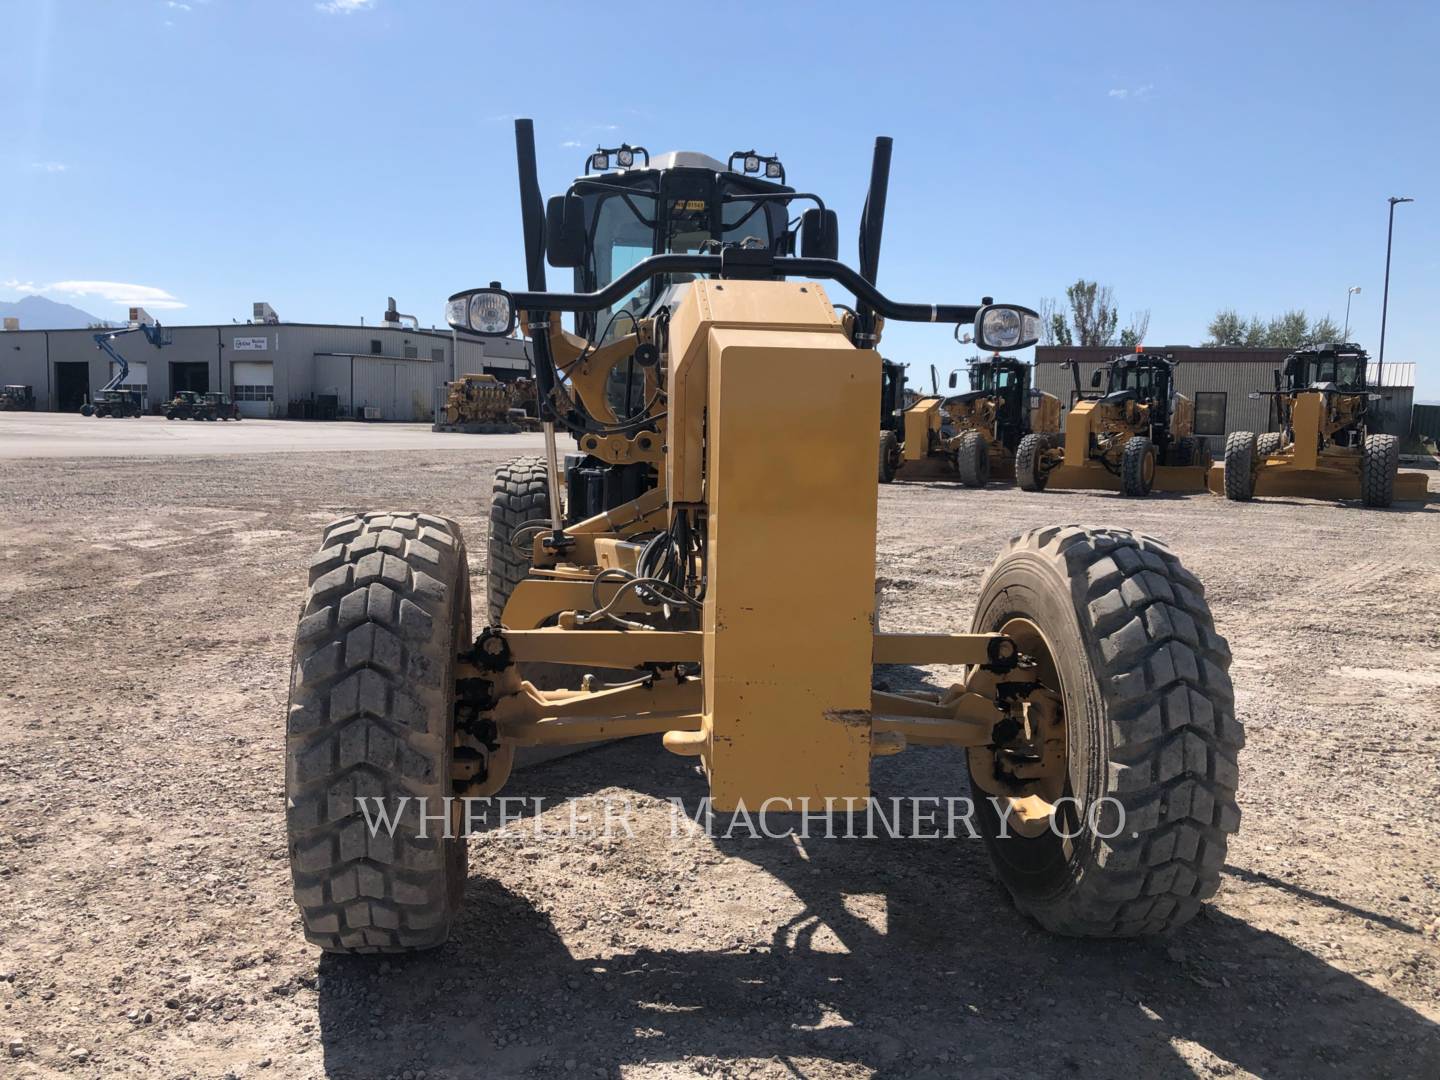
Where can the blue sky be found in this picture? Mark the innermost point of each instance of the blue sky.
(199, 155)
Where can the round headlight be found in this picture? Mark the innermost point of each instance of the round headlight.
(490, 313)
(456, 314)
(1002, 328)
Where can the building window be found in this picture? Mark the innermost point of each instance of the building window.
(1210, 412)
(437, 355)
(252, 393)
(375, 347)
(412, 353)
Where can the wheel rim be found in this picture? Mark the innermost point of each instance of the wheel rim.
(1030, 804)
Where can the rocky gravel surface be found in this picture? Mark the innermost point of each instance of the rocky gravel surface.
(147, 930)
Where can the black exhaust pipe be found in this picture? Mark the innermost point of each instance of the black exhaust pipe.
(532, 206)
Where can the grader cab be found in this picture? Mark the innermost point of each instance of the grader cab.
(1134, 436)
(975, 434)
(1325, 448)
(710, 560)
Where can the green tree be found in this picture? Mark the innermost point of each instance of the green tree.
(1288, 331)
(1226, 329)
(1323, 330)
(1092, 313)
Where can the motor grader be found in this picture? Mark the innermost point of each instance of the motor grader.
(715, 575)
(972, 435)
(1325, 448)
(1134, 436)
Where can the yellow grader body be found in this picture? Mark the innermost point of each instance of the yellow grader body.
(735, 593)
(1313, 466)
(1083, 469)
(937, 429)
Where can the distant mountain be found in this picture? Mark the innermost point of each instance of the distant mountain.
(38, 313)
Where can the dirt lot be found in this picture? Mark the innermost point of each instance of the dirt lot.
(147, 929)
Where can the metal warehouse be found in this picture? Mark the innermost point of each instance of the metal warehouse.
(271, 369)
(1220, 381)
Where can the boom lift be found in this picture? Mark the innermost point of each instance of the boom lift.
(973, 435)
(1135, 436)
(1325, 448)
(110, 400)
(712, 543)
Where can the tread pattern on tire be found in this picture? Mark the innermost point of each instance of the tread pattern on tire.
(1268, 443)
(1132, 465)
(889, 447)
(972, 459)
(369, 716)
(1173, 733)
(521, 493)
(1379, 462)
(1028, 474)
(1240, 466)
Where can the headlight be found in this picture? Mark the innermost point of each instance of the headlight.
(1006, 326)
(625, 157)
(773, 170)
(752, 163)
(491, 313)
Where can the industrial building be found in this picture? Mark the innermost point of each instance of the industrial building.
(1220, 381)
(270, 368)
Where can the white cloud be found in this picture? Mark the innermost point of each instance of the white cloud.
(20, 286)
(175, 5)
(572, 142)
(1121, 93)
(344, 7)
(117, 292)
(49, 166)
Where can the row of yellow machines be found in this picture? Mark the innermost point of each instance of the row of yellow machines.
(1132, 432)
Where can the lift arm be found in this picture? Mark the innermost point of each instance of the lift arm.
(153, 334)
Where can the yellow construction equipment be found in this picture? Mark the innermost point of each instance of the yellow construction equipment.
(1134, 437)
(712, 563)
(480, 403)
(972, 436)
(1325, 448)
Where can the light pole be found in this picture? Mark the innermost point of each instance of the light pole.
(1385, 301)
(1348, 294)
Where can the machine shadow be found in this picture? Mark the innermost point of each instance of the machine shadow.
(905, 959)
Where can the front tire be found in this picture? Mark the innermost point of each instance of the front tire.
(372, 716)
(1379, 462)
(1137, 466)
(972, 459)
(1124, 632)
(889, 456)
(521, 495)
(1240, 449)
(1029, 473)
(1267, 444)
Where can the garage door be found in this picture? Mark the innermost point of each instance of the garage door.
(137, 379)
(252, 386)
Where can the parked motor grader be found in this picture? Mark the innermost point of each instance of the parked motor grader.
(972, 435)
(1326, 447)
(711, 543)
(1135, 436)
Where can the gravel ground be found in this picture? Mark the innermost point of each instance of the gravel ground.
(147, 929)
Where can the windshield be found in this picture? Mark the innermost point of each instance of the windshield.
(990, 378)
(621, 240)
(1342, 371)
(1135, 377)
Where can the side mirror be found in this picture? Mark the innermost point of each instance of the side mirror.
(954, 378)
(565, 230)
(488, 312)
(1002, 327)
(1095, 377)
(819, 234)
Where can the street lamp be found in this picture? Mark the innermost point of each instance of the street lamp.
(1385, 301)
(1348, 294)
